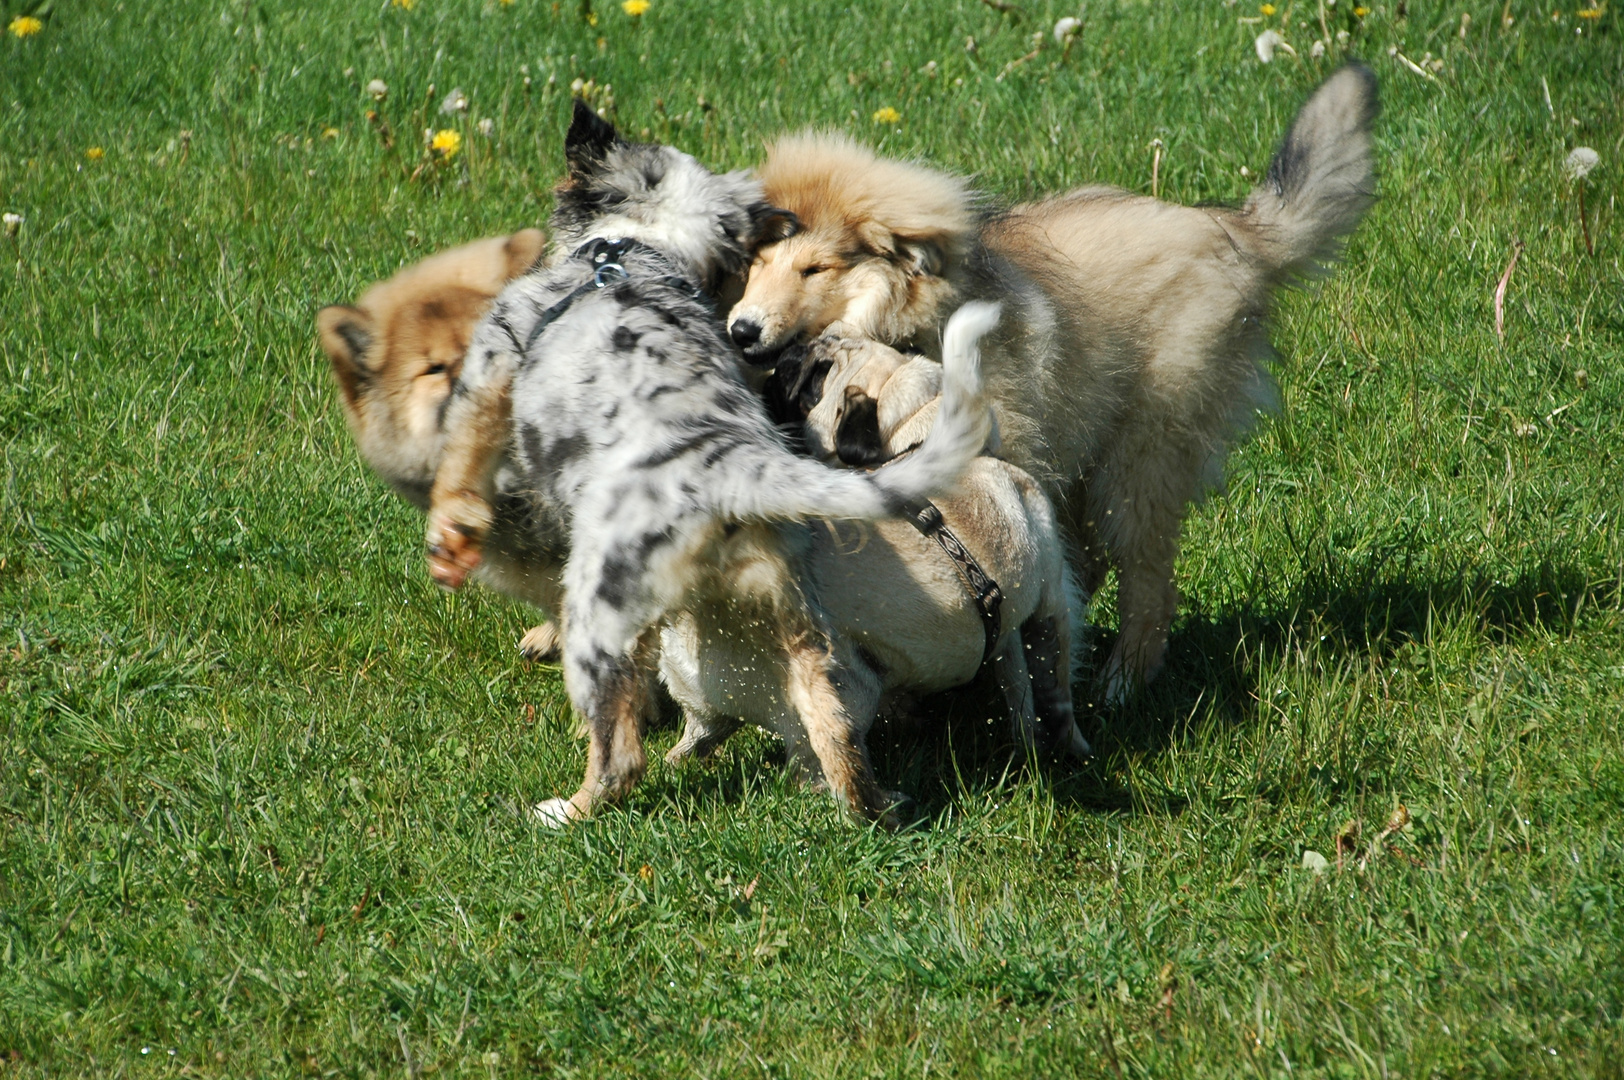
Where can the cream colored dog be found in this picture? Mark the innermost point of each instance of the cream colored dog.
(1133, 348)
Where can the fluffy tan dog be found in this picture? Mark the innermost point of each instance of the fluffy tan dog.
(397, 350)
(395, 354)
(1133, 349)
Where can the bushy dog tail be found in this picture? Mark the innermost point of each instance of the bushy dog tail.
(1322, 179)
(794, 488)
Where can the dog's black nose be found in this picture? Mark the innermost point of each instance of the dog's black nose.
(745, 333)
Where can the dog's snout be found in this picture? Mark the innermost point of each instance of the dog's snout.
(745, 332)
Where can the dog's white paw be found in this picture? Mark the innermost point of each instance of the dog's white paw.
(554, 813)
(541, 644)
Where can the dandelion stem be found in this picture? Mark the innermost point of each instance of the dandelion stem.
(1500, 292)
(1584, 223)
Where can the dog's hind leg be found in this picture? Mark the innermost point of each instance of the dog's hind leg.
(1045, 640)
(834, 729)
(1145, 495)
(1009, 667)
(611, 692)
(612, 610)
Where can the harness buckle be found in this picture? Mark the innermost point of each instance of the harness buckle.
(609, 273)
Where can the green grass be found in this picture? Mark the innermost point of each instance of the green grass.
(259, 781)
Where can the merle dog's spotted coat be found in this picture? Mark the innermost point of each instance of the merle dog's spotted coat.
(635, 430)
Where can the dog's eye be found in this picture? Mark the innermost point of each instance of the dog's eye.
(811, 270)
(435, 369)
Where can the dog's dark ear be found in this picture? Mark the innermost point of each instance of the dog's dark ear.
(857, 432)
(523, 250)
(769, 224)
(346, 335)
(922, 256)
(589, 140)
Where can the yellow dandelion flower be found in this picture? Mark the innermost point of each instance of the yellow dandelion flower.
(445, 144)
(887, 115)
(1589, 13)
(1361, 12)
(24, 25)
(634, 8)
(329, 133)
(405, 5)
(1267, 9)
(592, 18)
(95, 153)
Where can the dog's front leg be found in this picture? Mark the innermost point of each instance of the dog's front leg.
(542, 644)
(477, 426)
(1015, 680)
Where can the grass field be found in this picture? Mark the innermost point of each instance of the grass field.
(260, 783)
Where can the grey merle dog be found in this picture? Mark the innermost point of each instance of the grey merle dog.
(653, 470)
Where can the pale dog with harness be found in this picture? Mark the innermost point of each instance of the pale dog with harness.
(992, 550)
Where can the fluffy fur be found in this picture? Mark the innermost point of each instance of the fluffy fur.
(396, 351)
(1134, 346)
(636, 435)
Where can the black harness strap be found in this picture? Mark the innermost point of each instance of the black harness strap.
(605, 256)
(988, 597)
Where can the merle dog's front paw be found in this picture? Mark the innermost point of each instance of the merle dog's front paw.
(458, 525)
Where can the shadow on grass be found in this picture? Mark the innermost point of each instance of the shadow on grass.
(962, 748)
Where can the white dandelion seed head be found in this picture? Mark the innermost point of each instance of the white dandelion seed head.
(12, 222)
(378, 89)
(1581, 162)
(486, 126)
(1318, 50)
(1343, 37)
(1064, 28)
(455, 102)
(1266, 43)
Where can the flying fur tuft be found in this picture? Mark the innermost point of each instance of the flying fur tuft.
(1322, 179)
